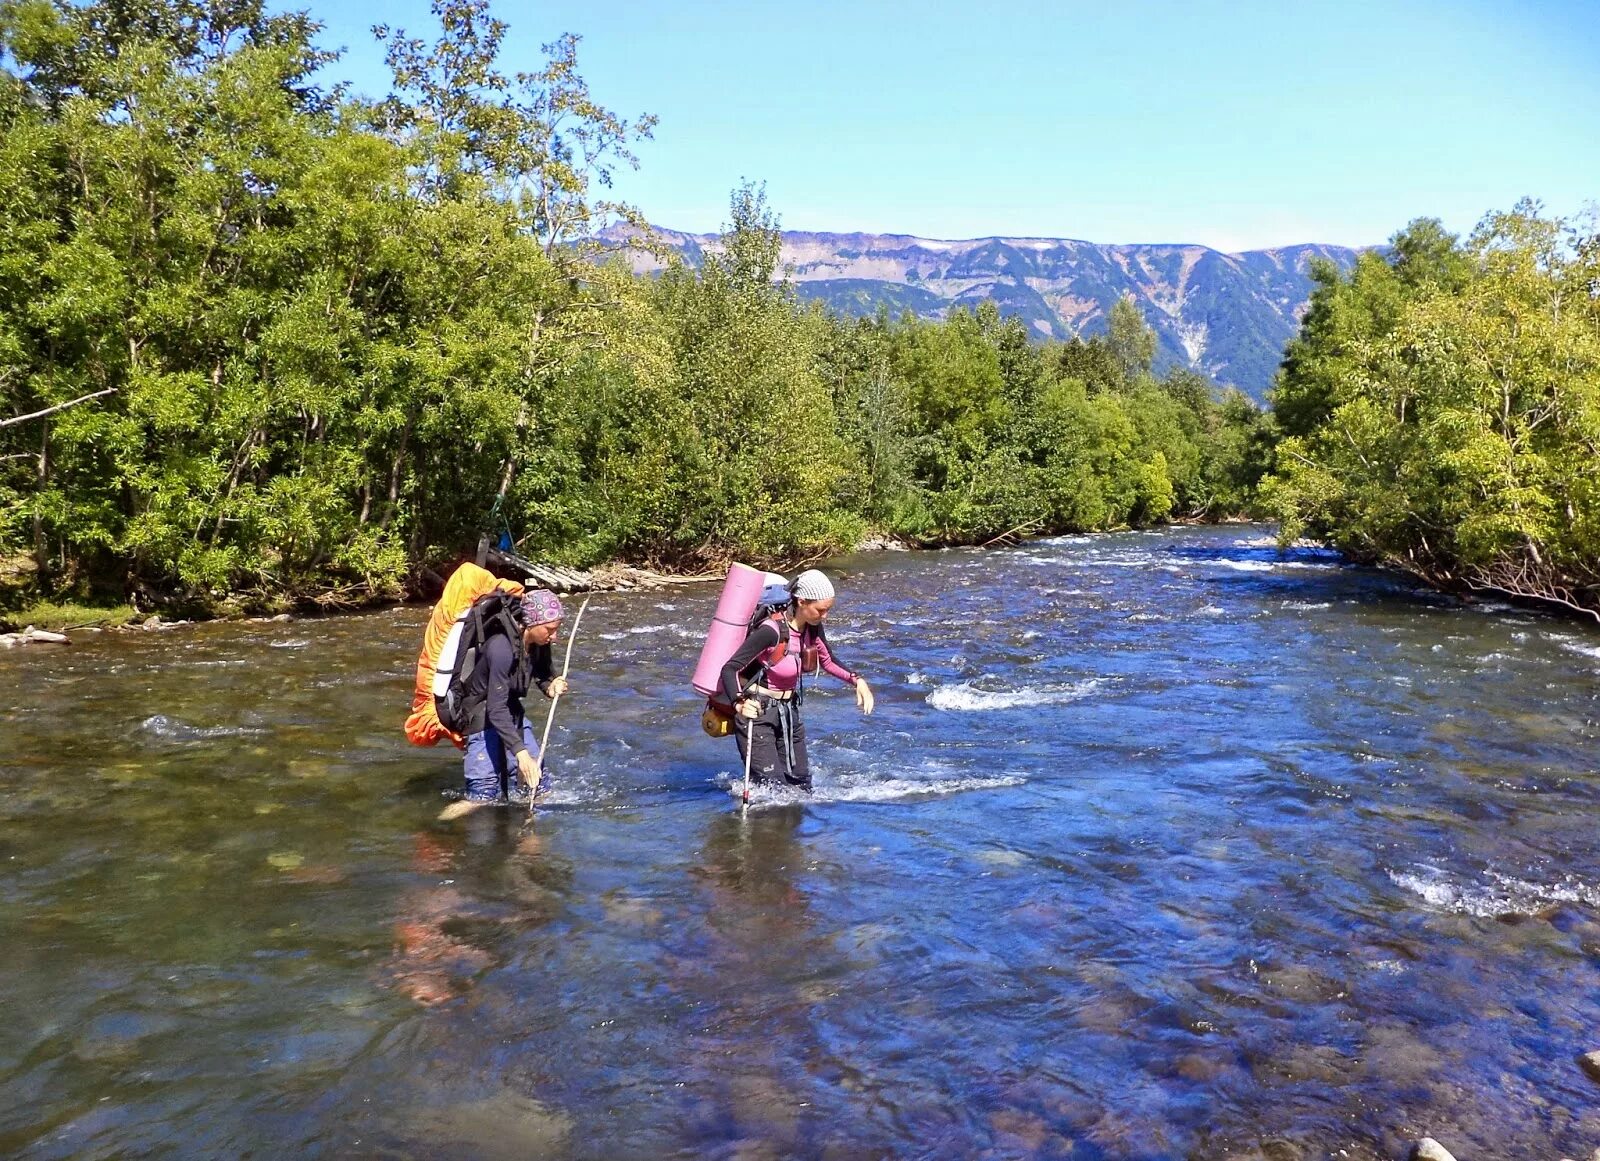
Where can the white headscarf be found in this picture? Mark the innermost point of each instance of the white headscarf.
(812, 585)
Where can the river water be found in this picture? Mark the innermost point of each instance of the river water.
(1160, 845)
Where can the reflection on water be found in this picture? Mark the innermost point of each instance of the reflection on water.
(1160, 845)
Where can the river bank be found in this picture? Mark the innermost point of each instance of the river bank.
(621, 576)
(424, 586)
(56, 616)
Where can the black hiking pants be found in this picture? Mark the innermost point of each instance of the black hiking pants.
(778, 741)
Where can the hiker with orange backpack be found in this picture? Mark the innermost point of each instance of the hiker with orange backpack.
(486, 643)
(502, 759)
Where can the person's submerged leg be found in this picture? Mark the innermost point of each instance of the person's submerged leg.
(483, 766)
(796, 765)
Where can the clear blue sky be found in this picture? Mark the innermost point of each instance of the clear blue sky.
(1233, 123)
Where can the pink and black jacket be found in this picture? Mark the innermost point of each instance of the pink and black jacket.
(773, 655)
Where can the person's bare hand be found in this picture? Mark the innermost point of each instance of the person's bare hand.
(528, 767)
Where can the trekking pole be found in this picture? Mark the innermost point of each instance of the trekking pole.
(565, 664)
(749, 752)
(749, 743)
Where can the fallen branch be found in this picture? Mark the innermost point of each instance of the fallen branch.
(625, 576)
(1022, 529)
(1531, 581)
(1519, 579)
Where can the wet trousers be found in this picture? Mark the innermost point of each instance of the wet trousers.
(491, 773)
(777, 740)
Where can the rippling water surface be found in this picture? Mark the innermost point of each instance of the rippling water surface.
(1159, 845)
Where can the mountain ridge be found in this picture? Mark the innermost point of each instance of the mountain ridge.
(1225, 315)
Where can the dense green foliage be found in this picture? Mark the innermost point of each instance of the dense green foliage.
(1442, 409)
(262, 341)
(964, 430)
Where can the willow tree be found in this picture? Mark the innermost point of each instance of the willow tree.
(1460, 437)
(257, 336)
(762, 445)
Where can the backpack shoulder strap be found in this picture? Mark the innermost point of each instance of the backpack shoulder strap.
(778, 651)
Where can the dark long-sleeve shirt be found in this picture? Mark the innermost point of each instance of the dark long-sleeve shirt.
(498, 684)
(745, 663)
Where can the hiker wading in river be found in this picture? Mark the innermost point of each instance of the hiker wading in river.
(763, 680)
(502, 760)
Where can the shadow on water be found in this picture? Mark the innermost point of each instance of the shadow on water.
(1159, 846)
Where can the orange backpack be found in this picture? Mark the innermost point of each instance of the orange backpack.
(466, 585)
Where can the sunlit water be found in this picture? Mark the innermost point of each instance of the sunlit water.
(1159, 845)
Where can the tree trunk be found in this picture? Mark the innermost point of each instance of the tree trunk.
(394, 475)
(41, 550)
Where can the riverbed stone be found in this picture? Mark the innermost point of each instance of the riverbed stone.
(1397, 1054)
(1020, 1132)
(1428, 1149)
(1302, 1063)
(1200, 1068)
(632, 910)
(1591, 1064)
(1298, 982)
(504, 1125)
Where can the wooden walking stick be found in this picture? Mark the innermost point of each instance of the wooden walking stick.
(550, 720)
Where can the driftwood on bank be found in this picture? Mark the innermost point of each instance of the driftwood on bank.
(628, 577)
(31, 636)
(560, 579)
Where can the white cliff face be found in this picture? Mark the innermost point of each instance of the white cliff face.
(1226, 315)
(1193, 338)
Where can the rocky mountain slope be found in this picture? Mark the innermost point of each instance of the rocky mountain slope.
(1225, 315)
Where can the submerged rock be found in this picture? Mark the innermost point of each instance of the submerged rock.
(506, 1124)
(460, 809)
(1428, 1149)
(1591, 1065)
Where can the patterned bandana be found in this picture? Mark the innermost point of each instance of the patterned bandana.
(540, 606)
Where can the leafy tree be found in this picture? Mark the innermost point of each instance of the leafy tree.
(763, 440)
(870, 403)
(539, 139)
(1346, 311)
(260, 342)
(65, 50)
(1131, 343)
(1460, 440)
(1091, 363)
